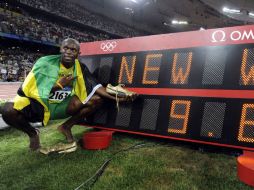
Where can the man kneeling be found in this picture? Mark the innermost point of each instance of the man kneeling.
(57, 87)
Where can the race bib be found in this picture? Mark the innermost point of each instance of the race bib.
(59, 96)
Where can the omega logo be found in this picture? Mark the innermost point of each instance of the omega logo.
(218, 36)
(221, 36)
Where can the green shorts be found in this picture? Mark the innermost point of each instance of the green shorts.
(58, 110)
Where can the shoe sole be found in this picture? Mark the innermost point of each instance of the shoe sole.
(119, 93)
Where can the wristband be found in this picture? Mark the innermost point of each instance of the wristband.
(58, 84)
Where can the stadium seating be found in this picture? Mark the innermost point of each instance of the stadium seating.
(68, 9)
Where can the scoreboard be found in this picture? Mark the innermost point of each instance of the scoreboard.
(194, 86)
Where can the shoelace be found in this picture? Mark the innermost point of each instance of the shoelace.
(117, 99)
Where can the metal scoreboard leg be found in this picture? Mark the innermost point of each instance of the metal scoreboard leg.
(245, 167)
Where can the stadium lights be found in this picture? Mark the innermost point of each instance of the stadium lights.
(251, 14)
(134, 1)
(129, 9)
(233, 11)
(180, 22)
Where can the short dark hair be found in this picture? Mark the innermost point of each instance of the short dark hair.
(72, 40)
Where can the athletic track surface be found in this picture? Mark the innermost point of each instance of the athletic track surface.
(8, 90)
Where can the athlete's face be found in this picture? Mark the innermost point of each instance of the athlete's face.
(69, 51)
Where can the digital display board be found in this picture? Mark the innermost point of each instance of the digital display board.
(194, 86)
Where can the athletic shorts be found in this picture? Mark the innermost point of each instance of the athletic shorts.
(34, 112)
(58, 110)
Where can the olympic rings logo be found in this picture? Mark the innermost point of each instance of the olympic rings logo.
(108, 46)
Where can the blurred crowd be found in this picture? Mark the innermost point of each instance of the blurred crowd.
(68, 9)
(21, 25)
(15, 23)
(16, 63)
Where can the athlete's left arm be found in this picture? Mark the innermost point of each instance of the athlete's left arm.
(91, 82)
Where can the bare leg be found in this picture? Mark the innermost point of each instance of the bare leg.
(78, 112)
(16, 119)
(65, 128)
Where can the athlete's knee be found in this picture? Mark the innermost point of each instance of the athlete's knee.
(74, 106)
(95, 102)
(8, 109)
(92, 105)
(71, 110)
(8, 112)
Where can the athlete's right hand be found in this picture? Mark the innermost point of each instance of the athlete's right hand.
(66, 80)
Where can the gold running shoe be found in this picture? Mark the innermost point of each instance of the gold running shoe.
(60, 148)
(119, 92)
